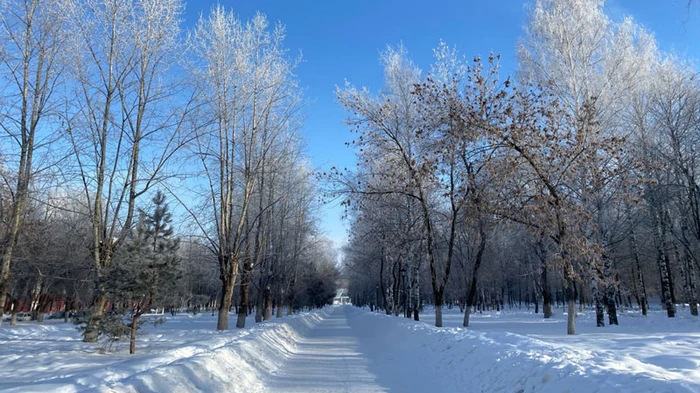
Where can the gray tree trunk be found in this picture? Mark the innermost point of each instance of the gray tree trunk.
(92, 329)
(280, 304)
(662, 261)
(610, 290)
(688, 277)
(571, 300)
(225, 303)
(245, 294)
(438, 314)
(692, 291)
(641, 288)
(569, 290)
(267, 304)
(597, 300)
(416, 290)
(259, 306)
(544, 282)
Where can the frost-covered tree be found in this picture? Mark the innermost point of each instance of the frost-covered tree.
(595, 67)
(32, 46)
(397, 158)
(124, 124)
(666, 126)
(248, 99)
(463, 157)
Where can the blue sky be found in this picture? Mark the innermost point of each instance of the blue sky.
(341, 40)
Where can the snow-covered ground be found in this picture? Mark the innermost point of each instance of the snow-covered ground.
(344, 349)
(655, 346)
(185, 354)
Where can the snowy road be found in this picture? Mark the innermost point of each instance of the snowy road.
(328, 359)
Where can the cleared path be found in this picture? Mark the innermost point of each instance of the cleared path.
(329, 359)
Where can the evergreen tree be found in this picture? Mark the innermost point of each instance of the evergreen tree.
(147, 272)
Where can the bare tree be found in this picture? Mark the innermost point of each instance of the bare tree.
(398, 158)
(575, 51)
(249, 100)
(123, 102)
(670, 131)
(33, 37)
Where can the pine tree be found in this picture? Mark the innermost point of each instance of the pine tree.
(147, 273)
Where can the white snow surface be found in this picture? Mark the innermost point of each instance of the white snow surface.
(345, 349)
(651, 353)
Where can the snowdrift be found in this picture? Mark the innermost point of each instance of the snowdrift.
(187, 358)
(461, 360)
(236, 365)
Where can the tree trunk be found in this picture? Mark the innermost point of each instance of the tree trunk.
(671, 283)
(267, 304)
(16, 219)
(259, 303)
(290, 309)
(132, 337)
(396, 291)
(416, 290)
(13, 314)
(475, 274)
(688, 277)
(280, 304)
(571, 299)
(407, 291)
(612, 310)
(225, 304)
(92, 329)
(597, 299)
(688, 258)
(382, 289)
(692, 290)
(9, 243)
(669, 271)
(571, 318)
(546, 292)
(662, 260)
(259, 312)
(641, 288)
(470, 300)
(437, 285)
(66, 310)
(245, 295)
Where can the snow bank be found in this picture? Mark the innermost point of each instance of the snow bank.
(183, 355)
(396, 355)
(460, 360)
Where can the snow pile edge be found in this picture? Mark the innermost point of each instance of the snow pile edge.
(241, 364)
(459, 360)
